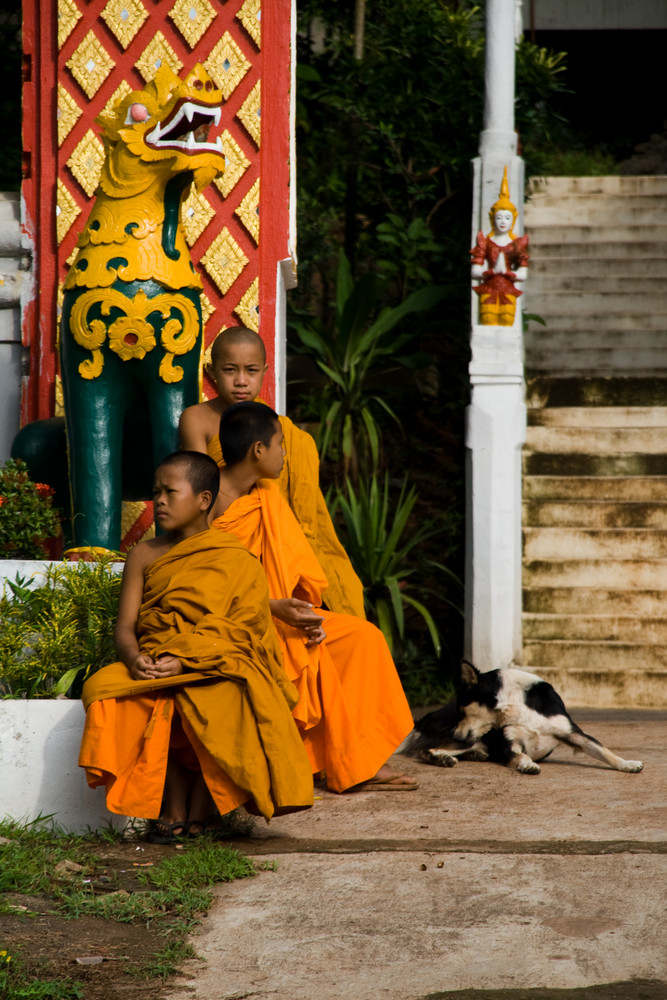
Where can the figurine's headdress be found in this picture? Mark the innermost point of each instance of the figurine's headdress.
(504, 204)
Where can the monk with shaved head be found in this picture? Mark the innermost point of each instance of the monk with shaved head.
(238, 366)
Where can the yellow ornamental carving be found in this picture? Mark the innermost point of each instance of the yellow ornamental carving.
(236, 164)
(125, 18)
(195, 216)
(68, 15)
(66, 211)
(67, 113)
(192, 18)
(248, 308)
(119, 93)
(249, 114)
(131, 335)
(248, 211)
(249, 14)
(90, 64)
(86, 162)
(157, 54)
(224, 260)
(227, 65)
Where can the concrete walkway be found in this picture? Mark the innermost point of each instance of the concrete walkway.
(482, 880)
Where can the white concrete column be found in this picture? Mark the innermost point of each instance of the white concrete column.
(496, 417)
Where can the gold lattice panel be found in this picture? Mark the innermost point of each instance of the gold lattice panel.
(196, 214)
(66, 211)
(119, 93)
(224, 260)
(68, 112)
(68, 15)
(227, 65)
(124, 18)
(192, 18)
(248, 211)
(236, 164)
(249, 15)
(86, 162)
(90, 64)
(159, 51)
(249, 114)
(248, 308)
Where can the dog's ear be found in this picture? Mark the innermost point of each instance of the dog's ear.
(469, 674)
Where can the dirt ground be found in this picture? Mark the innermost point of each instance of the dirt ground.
(49, 945)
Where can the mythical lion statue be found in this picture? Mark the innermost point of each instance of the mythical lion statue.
(131, 331)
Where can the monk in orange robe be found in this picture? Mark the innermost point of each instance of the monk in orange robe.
(352, 712)
(238, 366)
(198, 711)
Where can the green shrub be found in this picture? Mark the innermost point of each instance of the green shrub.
(27, 517)
(56, 635)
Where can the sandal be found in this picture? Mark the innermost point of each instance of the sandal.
(162, 832)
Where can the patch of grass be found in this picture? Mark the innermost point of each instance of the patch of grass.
(595, 162)
(174, 893)
(17, 984)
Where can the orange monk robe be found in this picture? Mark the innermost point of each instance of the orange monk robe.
(352, 711)
(299, 484)
(206, 602)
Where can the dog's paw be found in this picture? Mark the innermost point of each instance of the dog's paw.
(528, 767)
(439, 757)
(632, 766)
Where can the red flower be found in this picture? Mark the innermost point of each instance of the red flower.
(44, 490)
(2, 500)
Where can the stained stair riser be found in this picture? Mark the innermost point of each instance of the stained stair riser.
(596, 628)
(608, 574)
(647, 489)
(597, 440)
(608, 656)
(578, 600)
(639, 688)
(594, 465)
(594, 515)
(566, 543)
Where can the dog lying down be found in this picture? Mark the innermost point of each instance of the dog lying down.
(508, 716)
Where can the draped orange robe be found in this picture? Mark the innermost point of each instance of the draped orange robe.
(206, 602)
(299, 485)
(352, 711)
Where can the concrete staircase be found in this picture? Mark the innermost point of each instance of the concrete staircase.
(595, 461)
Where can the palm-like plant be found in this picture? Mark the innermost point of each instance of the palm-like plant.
(380, 547)
(356, 356)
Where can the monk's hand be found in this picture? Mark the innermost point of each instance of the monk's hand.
(315, 636)
(298, 614)
(168, 666)
(142, 667)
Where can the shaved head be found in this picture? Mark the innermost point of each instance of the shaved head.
(236, 335)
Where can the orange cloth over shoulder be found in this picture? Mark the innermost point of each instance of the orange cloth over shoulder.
(352, 711)
(299, 484)
(206, 602)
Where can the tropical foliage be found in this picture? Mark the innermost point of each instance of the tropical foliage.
(55, 635)
(27, 517)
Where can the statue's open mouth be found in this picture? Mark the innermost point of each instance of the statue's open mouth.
(186, 129)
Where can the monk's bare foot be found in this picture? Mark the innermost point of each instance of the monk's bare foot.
(388, 780)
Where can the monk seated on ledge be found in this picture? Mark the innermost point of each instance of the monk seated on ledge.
(197, 714)
(352, 712)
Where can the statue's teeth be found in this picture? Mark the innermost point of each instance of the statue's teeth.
(189, 111)
(192, 142)
(216, 116)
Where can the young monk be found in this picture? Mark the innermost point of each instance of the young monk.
(352, 712)
(197, 714)
(238, 366)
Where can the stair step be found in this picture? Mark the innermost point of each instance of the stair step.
(636, 211)
(623, 301)
(596, 440)
(561, 267)
(571, 600)
(579, 654)
(602, 688)
(595, 391)
(641, 489)
(608, 185)
(600, 416)
(624, 574)
(595, 628)
(547, 245)
(620, 543)
(545, 283)
(558, 464)
(573, 235)
(594, 514)
(596, 362)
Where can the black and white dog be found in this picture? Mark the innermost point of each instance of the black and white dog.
(506, 716)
